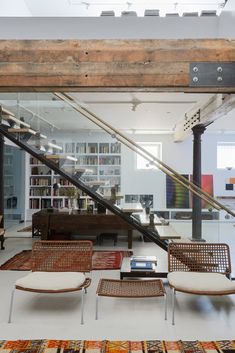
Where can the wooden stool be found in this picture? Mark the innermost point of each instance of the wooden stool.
(103, 236)
(130, 289)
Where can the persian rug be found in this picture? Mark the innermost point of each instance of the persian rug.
(77, 346)
(101, 260)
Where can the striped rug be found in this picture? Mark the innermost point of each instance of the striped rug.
(76, 346)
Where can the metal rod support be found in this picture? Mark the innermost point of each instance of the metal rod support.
(173, 306)
(11, 305)
(96, 306)
(82, 309)
(165, 300)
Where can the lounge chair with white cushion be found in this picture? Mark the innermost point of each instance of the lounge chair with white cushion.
(57, 267)
(199, 268)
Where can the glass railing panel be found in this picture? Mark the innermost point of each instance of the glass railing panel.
(79, 148)
(103, 162)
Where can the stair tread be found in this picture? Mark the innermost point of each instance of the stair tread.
(55, 156)
(95, 182)
(82, 170)
(19, 130)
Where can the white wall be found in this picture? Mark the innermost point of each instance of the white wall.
(179, 156)
(118, 27)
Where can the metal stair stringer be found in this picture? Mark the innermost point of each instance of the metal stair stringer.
(150, 234)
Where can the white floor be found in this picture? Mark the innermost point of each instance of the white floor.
(58, 316)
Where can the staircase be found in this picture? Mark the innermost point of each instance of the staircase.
(36, 144)
(29, 137)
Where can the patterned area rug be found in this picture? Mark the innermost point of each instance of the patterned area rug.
(101, 260)
(57, 346)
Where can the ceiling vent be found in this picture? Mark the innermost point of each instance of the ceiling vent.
(190, 14)
(129, 13)
(151, 12)
(107, 13)
(208, 13)
(172, 14)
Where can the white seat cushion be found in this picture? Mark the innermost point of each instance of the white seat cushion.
(52, 280)
(201, 282)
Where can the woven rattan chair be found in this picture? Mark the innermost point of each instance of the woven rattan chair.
(199, 268)
(57, 267)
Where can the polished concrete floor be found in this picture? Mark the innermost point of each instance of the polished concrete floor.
(58, 316)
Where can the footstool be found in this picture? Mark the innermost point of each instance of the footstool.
(130, 289)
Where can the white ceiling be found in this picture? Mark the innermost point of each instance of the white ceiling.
(136, 112)
(88, 8)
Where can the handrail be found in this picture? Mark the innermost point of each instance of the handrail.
(196, 190)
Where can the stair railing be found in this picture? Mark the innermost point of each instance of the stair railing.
(115, 133)
(149, 233)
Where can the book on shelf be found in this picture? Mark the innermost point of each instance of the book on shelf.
(142, 265)
(143, 258)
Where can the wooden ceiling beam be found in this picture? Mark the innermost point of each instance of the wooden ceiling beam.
(70, 65)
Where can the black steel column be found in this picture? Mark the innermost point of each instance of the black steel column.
(1, 180)
(197, 206)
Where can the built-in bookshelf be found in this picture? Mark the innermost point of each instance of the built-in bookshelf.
(102, 161)
(43, 192)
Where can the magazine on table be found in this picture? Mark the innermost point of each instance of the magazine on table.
(141, 265)
(142, 258)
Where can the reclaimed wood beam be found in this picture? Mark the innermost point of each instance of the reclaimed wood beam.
(70, 65)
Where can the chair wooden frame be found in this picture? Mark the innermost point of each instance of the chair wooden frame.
(199, 257)
(60, 256)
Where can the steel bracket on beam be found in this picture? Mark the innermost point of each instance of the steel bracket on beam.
(221, 74)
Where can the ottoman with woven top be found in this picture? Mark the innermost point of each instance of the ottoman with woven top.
(130, 289)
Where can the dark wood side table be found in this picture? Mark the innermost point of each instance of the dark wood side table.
(130, 289)
(49, 224)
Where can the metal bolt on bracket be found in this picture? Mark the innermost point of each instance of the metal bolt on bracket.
(195, 79)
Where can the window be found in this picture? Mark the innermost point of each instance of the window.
(225, 155)
(155, 148)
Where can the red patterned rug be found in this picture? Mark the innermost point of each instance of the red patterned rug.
(154, 346)
(101, 260)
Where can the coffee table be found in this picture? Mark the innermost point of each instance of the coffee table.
(130, 289)
(126, 271)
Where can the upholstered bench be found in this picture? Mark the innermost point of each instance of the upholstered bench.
(130, 289)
